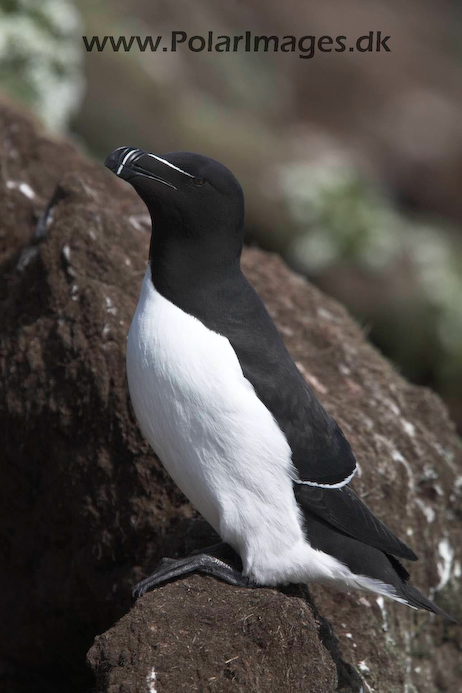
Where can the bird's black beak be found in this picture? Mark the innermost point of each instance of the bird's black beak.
(130, 163)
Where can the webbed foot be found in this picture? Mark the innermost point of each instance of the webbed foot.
(170, 568)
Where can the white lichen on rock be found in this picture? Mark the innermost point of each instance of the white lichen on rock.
(41, 57)
(110, 307)
(426, 509)
(445, 564)
(23, 188)
(151, 681)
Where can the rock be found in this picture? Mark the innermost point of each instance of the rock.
(159, 648)
(84, 505)
(86, 509)
(33, 165)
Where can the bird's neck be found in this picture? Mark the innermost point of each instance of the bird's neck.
(185, 264)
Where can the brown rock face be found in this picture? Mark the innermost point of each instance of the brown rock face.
(83, 501)
(266, 642)
(86, 509)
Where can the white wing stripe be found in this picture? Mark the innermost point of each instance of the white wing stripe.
(340, 484)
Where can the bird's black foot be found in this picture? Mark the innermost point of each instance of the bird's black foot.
(170, 568)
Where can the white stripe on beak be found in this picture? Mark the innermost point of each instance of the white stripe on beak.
(124, 160)
(164, 161)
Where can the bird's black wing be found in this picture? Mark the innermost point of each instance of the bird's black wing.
(342, 509)
(320, 451)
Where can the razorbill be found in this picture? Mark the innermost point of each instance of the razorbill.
(221, 402)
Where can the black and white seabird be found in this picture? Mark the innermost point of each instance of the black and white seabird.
(223, 405)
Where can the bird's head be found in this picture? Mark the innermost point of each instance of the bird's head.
(191, 198)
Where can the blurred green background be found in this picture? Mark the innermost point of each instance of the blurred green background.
(351, 162)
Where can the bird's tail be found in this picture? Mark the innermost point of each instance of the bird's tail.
(416, 599)
(411, 596)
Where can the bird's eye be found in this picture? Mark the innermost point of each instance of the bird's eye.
(198, 180)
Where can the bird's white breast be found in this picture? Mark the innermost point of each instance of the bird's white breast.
(217, 440)
(215, 437)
